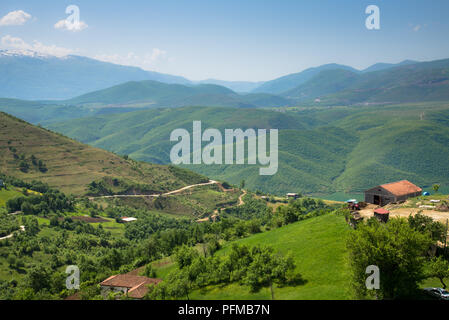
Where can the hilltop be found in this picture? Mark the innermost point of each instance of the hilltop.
(33, 153)
(152, 94)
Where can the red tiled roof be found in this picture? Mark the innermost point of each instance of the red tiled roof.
(137, 285)
(401, 188)
(381, 211)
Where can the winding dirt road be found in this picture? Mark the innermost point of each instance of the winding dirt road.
(155, 195)
(22, 228)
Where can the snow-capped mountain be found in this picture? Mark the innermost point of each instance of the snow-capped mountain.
(25, 53)
(46, 77)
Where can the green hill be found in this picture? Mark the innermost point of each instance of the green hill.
(322, 150)
(424, 81)
(290, 81)
(33, 153)
(318, 246)
(157, 94)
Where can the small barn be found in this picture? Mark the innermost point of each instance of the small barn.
(382, 214)
(392, 192)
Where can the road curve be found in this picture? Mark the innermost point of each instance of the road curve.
(155, 195)
(22, 228)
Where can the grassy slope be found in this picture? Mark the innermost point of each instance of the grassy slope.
(319, 249)
(72, 165)
(322, 150)
(5, 195)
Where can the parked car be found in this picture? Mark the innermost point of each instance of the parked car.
(439, 293)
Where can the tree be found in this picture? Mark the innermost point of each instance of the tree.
(149, 271)
(242, 184)
(31, 225)
(185, 255)
(23, 166)
(425, 224)
(267, 268)
(439, 268)
(436, 187)
(176, 286)
(396, 249)
(38, 277)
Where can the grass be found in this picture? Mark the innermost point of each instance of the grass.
(72, 165)
(319, 250)
(117, 229)
(6, 195)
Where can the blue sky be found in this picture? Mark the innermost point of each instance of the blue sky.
(232, 40)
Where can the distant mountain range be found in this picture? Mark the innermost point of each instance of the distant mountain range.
(416, 82)
(33, 76)
(152, 94)
(237, 86)
(30, 75)
(291, 81)
(329, 85)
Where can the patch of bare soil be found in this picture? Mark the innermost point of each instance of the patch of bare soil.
(368, 212)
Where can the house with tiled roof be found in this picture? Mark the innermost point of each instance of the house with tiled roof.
(392, 192)
(133, 286)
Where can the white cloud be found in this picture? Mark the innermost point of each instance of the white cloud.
(70, 26)
(10, 42)
(15, 18)
(417, 27)
(156, 55)
(147, 61)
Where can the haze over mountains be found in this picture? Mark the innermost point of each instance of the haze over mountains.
(33, 76)
(29, 75)
(323, 147)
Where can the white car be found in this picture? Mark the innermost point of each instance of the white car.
(439, 293)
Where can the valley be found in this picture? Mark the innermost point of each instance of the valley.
(321, 150)
(87, 179)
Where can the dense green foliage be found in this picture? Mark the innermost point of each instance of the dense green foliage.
(255, 267)
(400, 249)
(321, 150)
(8, 223)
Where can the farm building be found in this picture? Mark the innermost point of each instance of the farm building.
(292, 195)
(382, 214)
(135, 287)
(392, 192)
(129, 219)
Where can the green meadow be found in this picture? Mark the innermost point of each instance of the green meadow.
(318, 246)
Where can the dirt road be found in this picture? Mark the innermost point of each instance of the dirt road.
(155, 195)
(22, 228)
